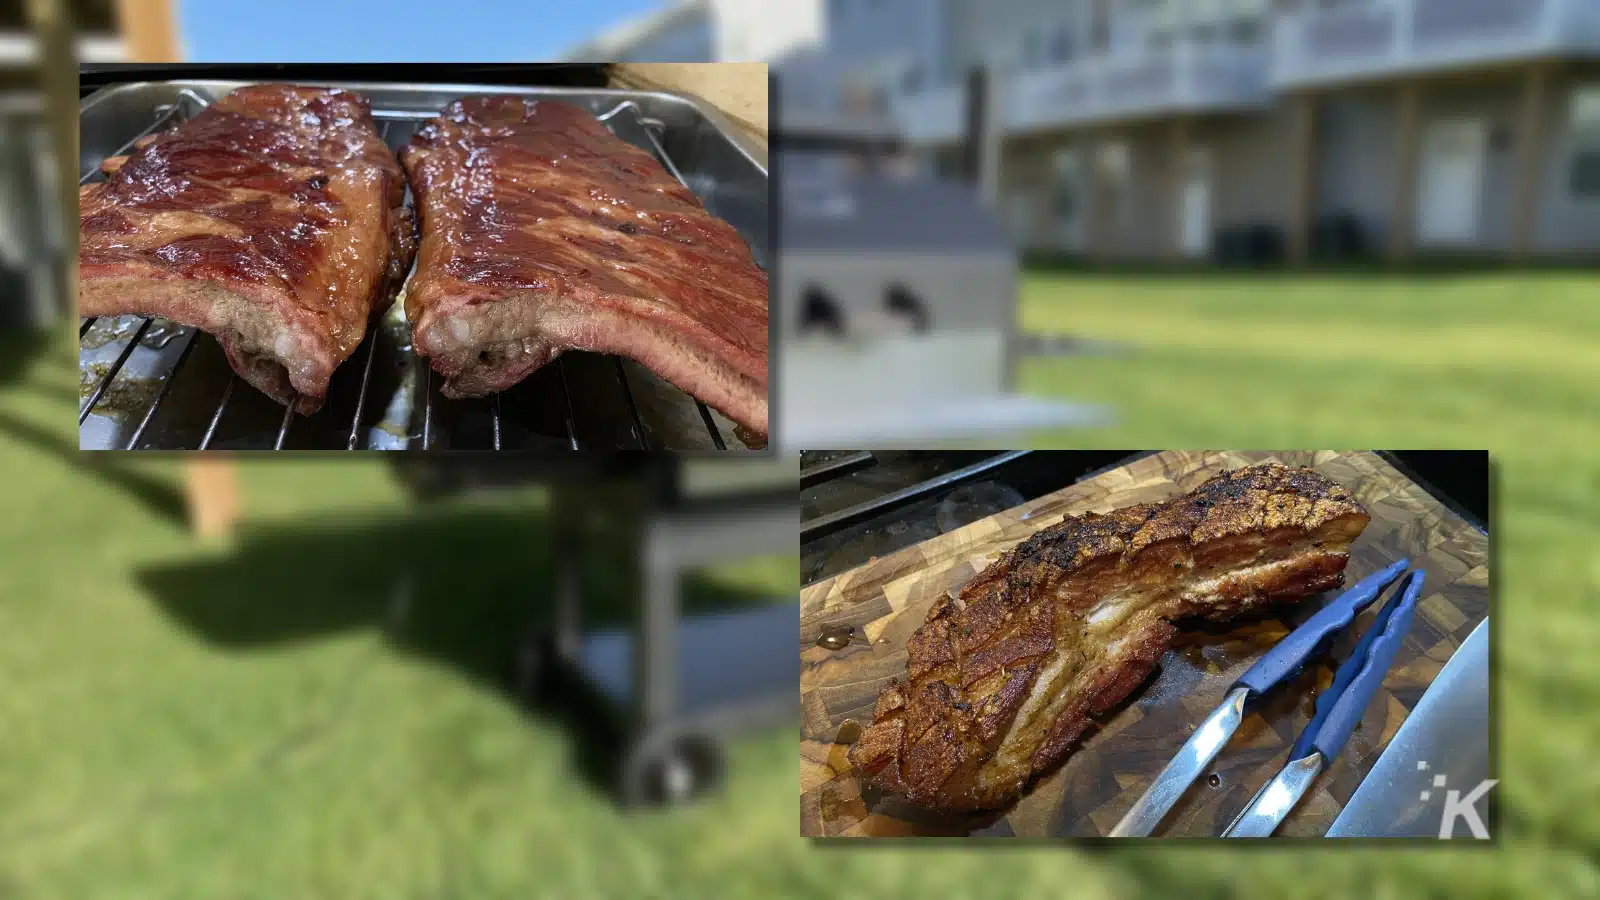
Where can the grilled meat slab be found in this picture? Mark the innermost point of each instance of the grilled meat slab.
(543, 232)
(1003, 680)
(274, 219)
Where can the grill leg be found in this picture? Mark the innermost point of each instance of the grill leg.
(656, 645)
(585, 517)
(569, 572)
(552, 641)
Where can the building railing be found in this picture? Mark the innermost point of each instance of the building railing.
(1385, 37)
(1188, 75)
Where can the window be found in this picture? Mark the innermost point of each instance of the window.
(913, 80)
(1061, 44)
(1066, 184)
(1115, 161)
(1019, 215)
(1162, 15)
(1245, 21)
(1032, 54)
(1116, 165)
(1584, 173)
(1246, 31)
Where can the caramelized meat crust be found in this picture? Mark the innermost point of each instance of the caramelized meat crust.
(543, 232)
(1002, 681)
(273, 219)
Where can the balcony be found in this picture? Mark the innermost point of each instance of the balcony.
(1189, 76)
(1391, 37)
(21, 48)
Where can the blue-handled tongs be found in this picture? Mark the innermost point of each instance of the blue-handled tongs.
(1337, 711)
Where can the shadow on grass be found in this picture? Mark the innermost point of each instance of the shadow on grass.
(157, 495)
(462, 586)
(20, 348)
(20, 353)
(64, 395)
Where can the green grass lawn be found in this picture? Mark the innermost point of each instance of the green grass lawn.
(251, 720)
(254, 720)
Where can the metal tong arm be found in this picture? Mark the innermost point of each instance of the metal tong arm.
(1184, 767)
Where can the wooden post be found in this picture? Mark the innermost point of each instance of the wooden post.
(1530, 159)
(1402, 224)
(982, 140)
(58, 77)
(1303, 180)
(1177, 169)
(973, 126)
(211, 483)
(149, 30)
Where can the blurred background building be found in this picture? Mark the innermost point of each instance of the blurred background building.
(31, 239)
(1129, 130)
(1229, 130)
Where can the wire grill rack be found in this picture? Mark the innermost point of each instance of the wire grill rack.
(130, 367)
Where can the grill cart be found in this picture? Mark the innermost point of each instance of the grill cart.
(675, 683)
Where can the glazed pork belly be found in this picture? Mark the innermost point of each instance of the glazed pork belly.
(1003, 679)
(542, 232)
(274, 219)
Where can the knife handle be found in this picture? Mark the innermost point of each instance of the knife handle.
(1358, 679)
(1291, 652)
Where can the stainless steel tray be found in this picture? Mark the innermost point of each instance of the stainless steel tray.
(152, 385)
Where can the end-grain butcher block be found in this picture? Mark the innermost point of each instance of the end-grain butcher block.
(1003, 680)
(273, 219)
(543, 232)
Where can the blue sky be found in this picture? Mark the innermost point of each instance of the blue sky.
(394, 30)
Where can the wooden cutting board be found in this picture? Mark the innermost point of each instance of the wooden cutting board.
(887, 599)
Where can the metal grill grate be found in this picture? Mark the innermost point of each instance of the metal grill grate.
(625, 120)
